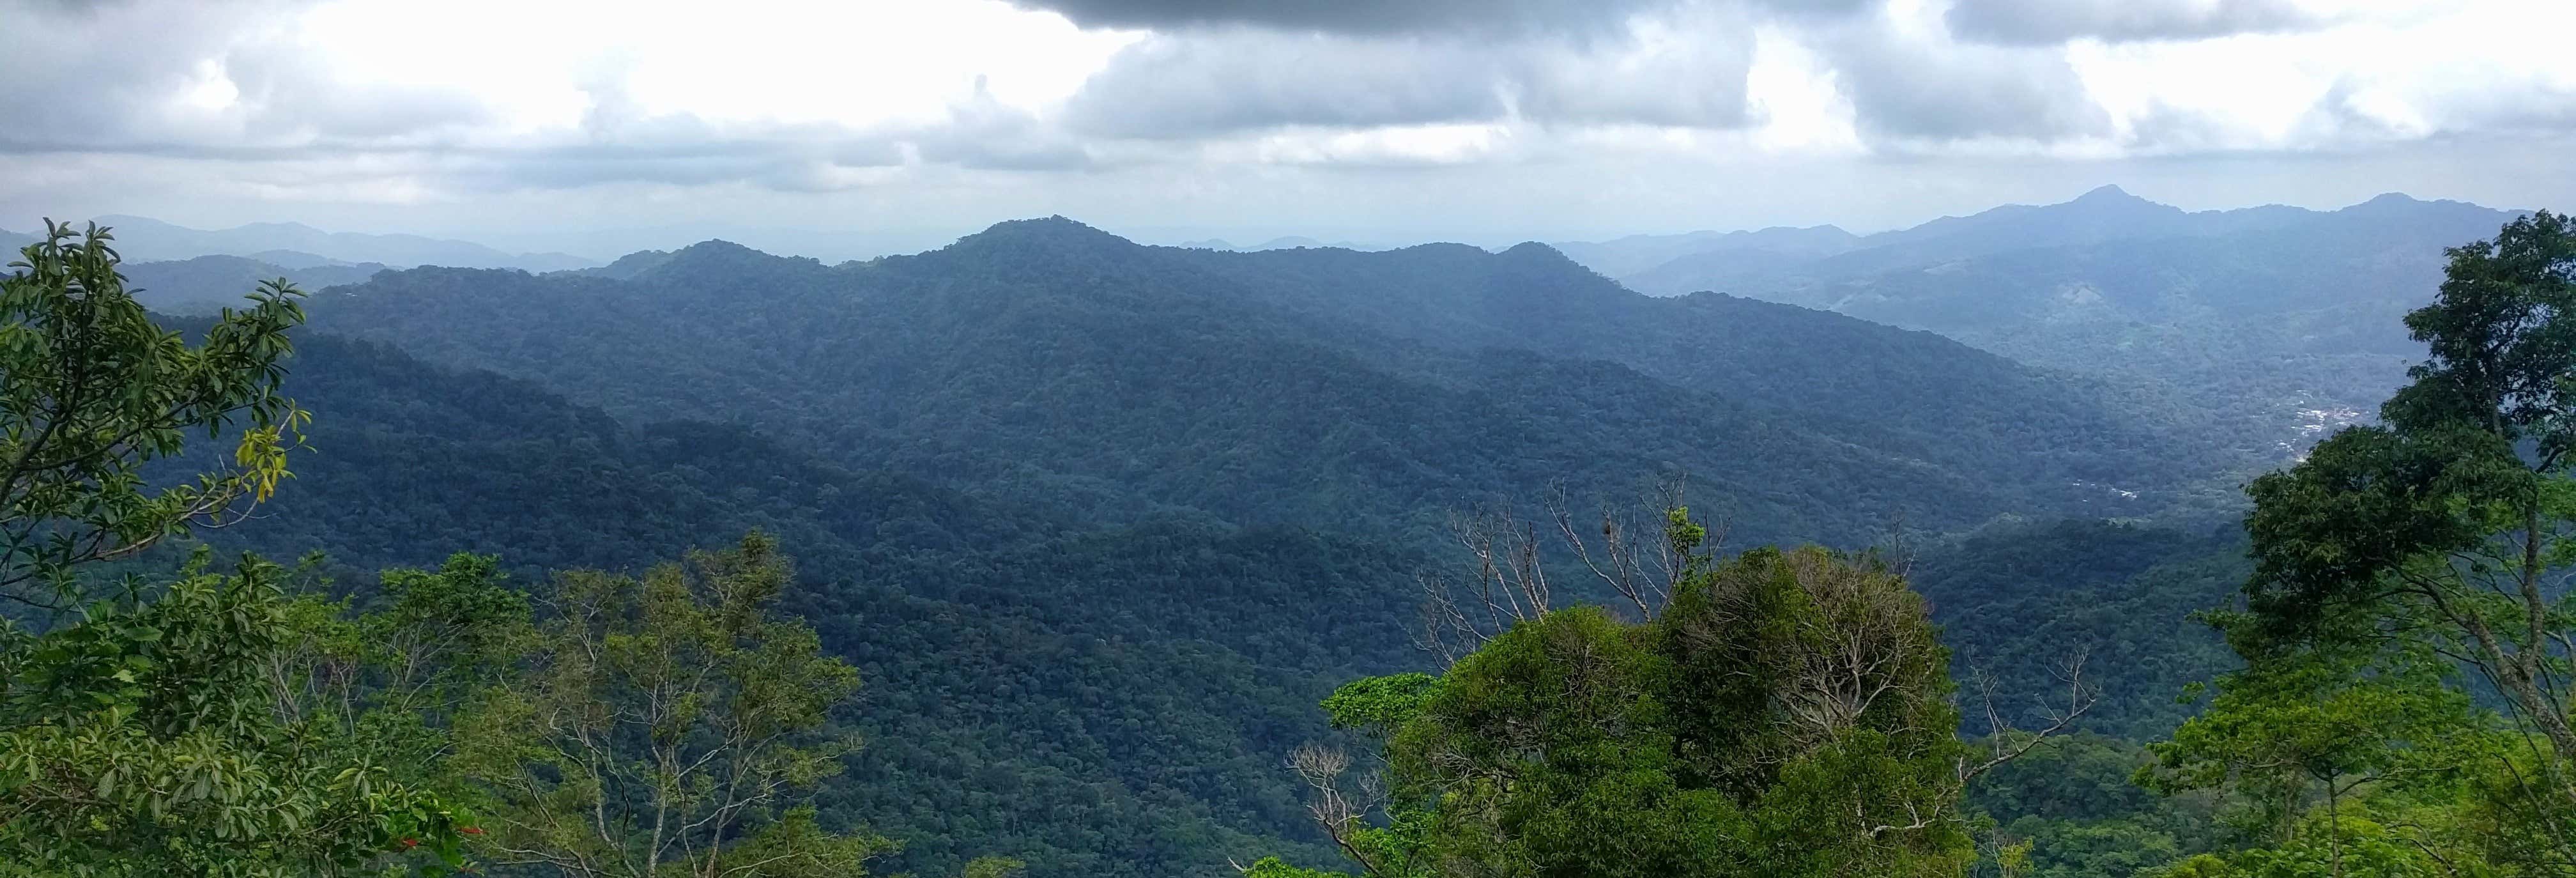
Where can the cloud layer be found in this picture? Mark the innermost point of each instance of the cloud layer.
(336, 101)
(2050, 22)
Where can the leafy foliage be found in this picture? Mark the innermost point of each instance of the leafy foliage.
(1787, 713)
(144, 739)
(96, 389)
(666, 723)
(2406, 575)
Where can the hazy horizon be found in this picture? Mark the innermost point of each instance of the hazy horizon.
(831, 245)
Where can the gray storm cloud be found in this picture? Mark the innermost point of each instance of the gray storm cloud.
(1914, 88)
(2049, 22)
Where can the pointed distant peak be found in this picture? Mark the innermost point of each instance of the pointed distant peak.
(2107, 193)
(2392, 199)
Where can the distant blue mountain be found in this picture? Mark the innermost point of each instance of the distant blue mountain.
(295, 245)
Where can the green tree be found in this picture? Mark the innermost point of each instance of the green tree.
(92, 390)
(2446, 529)
(668, 725)
(143, 740)
(1782, 713)
(388, 682)
(2313, 743)
(139, 733)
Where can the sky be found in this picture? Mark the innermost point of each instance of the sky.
(845, 129)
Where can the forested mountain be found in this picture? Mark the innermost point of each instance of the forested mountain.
(207, 283)
(2017, 599)
(1099, 523)
(1779, 244)
(1091, 699)
(153, 240)
(1049, 359)
(2278, 319)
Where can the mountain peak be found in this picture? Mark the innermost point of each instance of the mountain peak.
(713, 258)
(2106, 194)
(714, 248)
(1049, 231)
(1535, 252)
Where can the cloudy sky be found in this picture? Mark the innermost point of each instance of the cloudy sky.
(847, 128)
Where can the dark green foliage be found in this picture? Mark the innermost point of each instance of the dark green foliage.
(1093, 701)
(1315, 387)
(2016, 601)
(2073, 803)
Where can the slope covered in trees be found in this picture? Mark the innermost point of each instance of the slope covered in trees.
(1085, 697)
(206, 284)
(1089, 699)
(1304, 385)
(1098, 523)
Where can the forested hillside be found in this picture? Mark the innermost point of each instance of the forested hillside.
(1085, 697)
(1099, 523)
(1088, 698)
(206, 284)
(1303, 386)
(2281, 320)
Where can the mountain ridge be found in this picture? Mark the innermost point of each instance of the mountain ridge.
(144, 239)
(1143, 362)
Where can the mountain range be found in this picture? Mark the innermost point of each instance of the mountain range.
(206, 283)
(1297, 385)
(2282, 320)
(1099, 522)
(297, 246)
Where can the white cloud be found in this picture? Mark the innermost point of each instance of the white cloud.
(269, 107)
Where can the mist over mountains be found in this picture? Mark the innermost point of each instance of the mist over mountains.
(299, 246)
